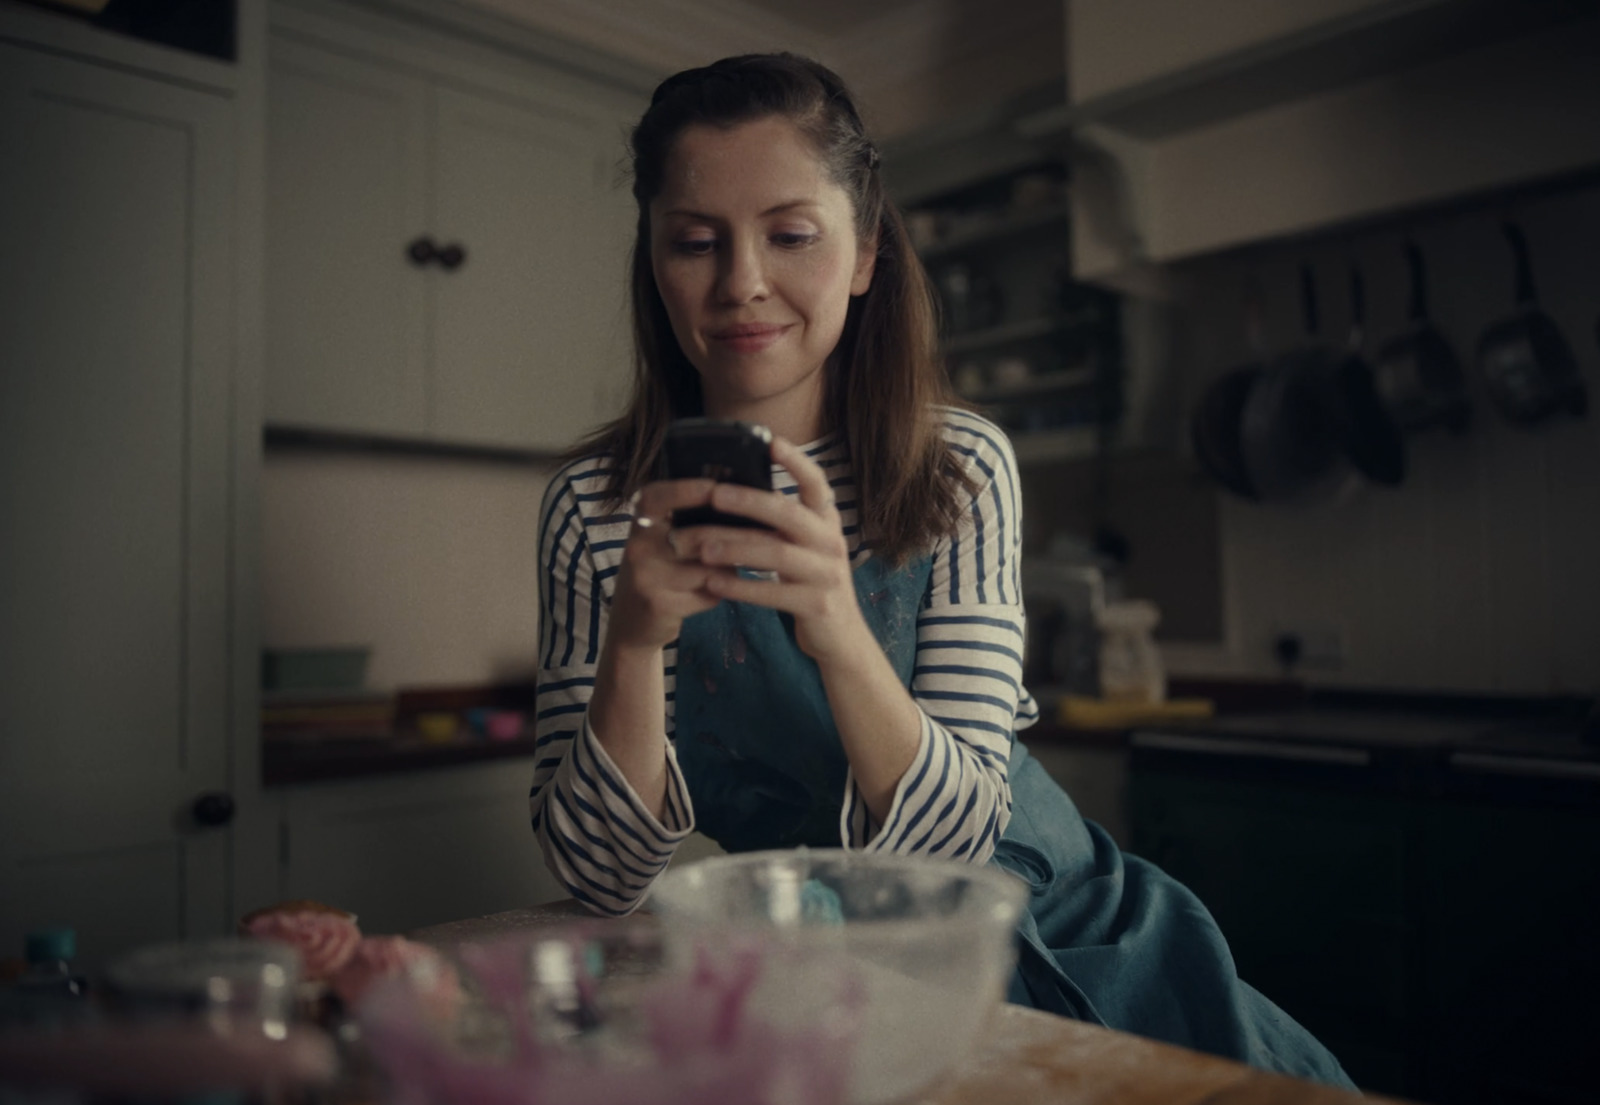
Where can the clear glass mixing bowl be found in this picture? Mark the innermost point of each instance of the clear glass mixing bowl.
(931, 943)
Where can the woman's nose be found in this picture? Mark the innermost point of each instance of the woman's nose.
(743, 277)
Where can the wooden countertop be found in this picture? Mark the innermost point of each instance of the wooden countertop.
(1028, 1057)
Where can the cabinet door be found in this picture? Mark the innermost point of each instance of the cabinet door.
(1512, 964)
(417, 850)
(1311, 887)
(530, 333)
(346, 328)
(116, 209)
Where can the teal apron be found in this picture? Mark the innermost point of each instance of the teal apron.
(1107, 938)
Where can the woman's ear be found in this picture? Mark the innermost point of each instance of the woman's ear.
(866, 263)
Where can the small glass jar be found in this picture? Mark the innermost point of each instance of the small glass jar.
(1130, 663)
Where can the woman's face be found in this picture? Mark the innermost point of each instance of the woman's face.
(755, 256)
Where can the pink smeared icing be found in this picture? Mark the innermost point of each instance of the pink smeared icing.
(424, 971)
(702, 1043)
(325, 941)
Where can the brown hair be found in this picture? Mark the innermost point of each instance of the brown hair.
(884, 379)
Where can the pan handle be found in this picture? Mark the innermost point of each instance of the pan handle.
(1419, 282)
(1308, 299)
(1358, 308)
(1519, 246)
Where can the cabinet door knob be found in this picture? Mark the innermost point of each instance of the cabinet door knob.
(213, 809)
(421, 251)
(451, 257)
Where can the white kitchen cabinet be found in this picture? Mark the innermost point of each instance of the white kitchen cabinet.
(373, 163)
(411, 850)
(117, 377)
(347, 327)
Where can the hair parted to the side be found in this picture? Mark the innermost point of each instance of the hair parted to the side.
(884, 379)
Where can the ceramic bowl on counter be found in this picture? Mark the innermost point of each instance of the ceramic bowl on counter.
(930, 943)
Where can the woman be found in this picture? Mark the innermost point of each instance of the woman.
(861, 688)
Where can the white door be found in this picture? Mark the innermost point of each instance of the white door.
(530, 334)
(347, 316)
(116, 197)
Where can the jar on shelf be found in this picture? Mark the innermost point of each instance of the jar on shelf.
(1130, 663)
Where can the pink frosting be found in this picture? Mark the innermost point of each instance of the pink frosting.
(325, 941)
(424, 970)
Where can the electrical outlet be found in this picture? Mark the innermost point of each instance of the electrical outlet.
(1318, 646)
(1322, 646)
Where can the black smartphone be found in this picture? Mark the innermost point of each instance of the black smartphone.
(720, 449)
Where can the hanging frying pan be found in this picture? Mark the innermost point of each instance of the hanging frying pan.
(1214, 429)
(1527, 364)
(1214, 422)
(1290, 448)
(1360, 421)
(1417, 372)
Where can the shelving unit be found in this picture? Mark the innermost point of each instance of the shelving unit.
(1036, 351)
(1007, 333)
(996, 229)
(1043, 384)
(1066, 443)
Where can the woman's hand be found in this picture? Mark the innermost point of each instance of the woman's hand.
(806, 549)
(656, 588)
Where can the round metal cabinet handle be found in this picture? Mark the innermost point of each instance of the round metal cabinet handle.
(451, 257)
(213, 809)
(422, 252)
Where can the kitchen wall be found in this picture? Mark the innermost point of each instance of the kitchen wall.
(1482, 572)
(1112, 44)
(430, 560)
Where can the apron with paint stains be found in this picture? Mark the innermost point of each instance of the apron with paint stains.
(1107, 938)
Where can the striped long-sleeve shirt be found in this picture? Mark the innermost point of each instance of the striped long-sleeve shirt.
(954, 801)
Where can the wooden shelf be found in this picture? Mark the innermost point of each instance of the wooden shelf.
(281, 438)
(1066, 443)
(1027, 329)
(284, 763)
(1043, 384)
(1004, 226)
(1370, 43)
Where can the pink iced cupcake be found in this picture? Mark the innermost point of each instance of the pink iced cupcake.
(425, 971)
(326, 940)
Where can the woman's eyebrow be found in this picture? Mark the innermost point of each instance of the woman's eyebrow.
(776, 209)
(789, 206)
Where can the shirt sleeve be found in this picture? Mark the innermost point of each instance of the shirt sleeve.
(596, 834)
(955, 800)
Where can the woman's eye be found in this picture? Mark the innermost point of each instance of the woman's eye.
(794, 239)
(695, 247)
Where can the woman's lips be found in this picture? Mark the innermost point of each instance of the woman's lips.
(749, 337)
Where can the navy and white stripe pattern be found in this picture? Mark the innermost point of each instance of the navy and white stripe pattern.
(953, 801)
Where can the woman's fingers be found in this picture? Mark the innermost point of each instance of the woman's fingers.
(808, 474)
(652, 505)
(728, 546)
(787, 515)
(803, 599)
(810, 517)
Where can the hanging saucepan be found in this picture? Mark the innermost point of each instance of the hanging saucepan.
(1215, 429)
(1367, 435)
(1214, 423)
(1528, 366)
(1291, 451)
(1417, 372)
